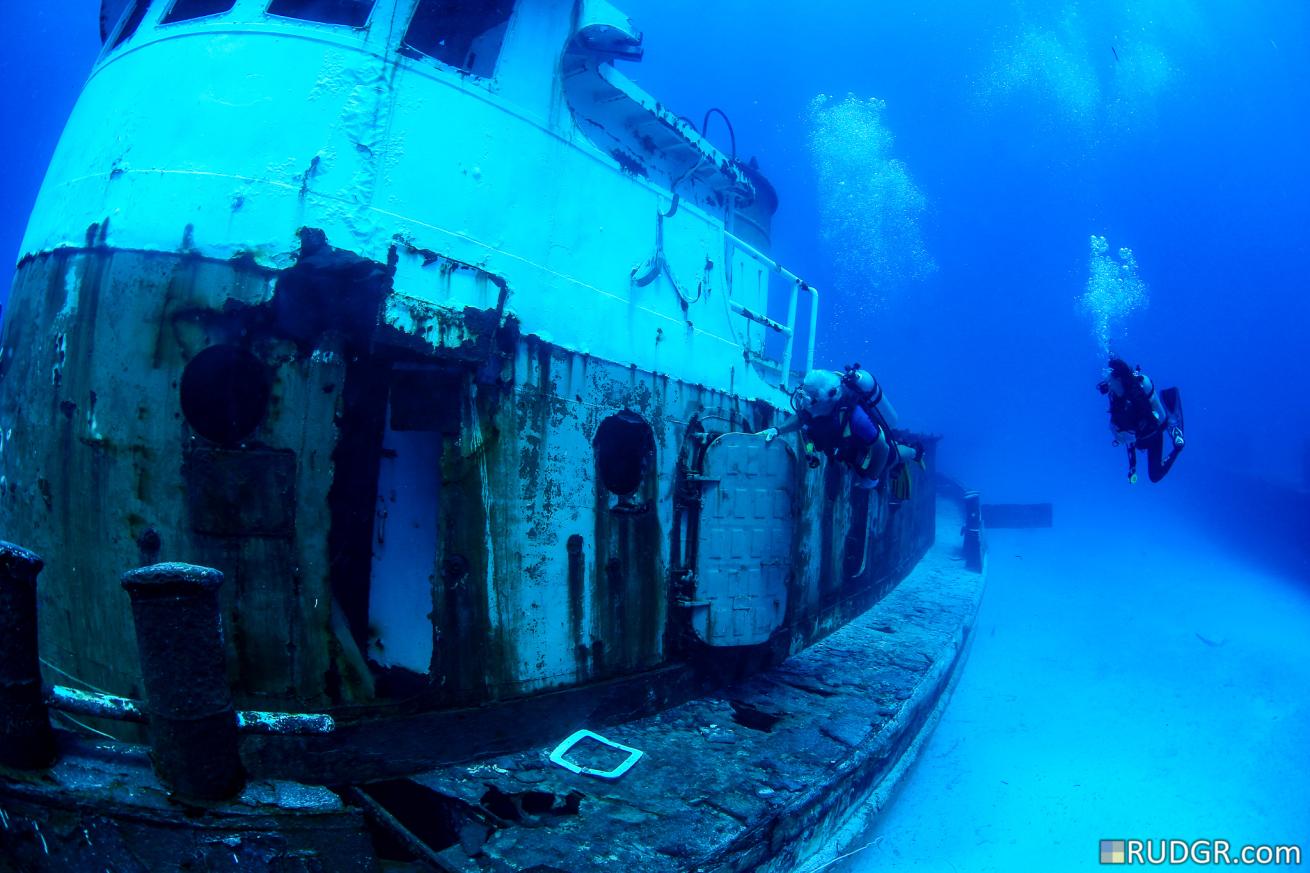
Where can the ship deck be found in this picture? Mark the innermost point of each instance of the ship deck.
(760, 776)
(767, 774)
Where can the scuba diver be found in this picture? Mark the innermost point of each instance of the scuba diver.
(848, 418)
(1141, 418)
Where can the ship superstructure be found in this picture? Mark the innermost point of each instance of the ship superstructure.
(437, 336)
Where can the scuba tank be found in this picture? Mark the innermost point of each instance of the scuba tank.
(1152, 399)
(886, 455)
(1144, 413)
(1136, 411)
(854, 402)
(871, 395)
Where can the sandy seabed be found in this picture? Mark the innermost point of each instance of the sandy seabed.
(1117, 689)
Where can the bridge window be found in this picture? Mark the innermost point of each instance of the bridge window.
(466, 34)
(185, 10)
(131, 21)
(353, 13)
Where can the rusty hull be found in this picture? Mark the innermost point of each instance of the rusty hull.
(541, 579)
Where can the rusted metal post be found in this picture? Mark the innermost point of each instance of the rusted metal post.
(179, 633)
(26, 740)
(975, 542)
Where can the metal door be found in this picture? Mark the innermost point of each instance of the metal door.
(746, 530)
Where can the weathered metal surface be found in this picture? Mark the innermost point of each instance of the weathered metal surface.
(413, 738)
(102, 807)
(755, 778)
(98, 705)
(25, 737)
(746, 531)
(95, 704)
(793, 750)
(297, 124)
(541, 578)
(284, 722)
(975, 532)
(241, 493)
(179, 633)
(326, 314)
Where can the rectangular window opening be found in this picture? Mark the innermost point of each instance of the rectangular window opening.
(185, 10)
(352, 13)
(131, 21)
(466, 34)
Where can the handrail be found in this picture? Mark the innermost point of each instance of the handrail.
(788, 330)
(760, 319)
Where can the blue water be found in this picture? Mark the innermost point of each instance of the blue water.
(1023, 135)
(948, 227)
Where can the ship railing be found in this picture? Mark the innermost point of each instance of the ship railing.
(786, 330)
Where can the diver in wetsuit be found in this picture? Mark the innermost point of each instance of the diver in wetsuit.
(1142, 418)
(849, 419)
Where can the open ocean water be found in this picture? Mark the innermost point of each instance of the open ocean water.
(1142, 669)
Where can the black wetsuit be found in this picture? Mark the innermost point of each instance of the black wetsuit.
(1131, 413)
(1156, 464)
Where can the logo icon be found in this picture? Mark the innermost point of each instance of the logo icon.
(1112, 852)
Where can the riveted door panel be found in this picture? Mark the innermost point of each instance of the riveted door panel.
(747, 525)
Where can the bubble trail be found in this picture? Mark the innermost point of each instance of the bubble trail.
(869, 204)
(1114, 291)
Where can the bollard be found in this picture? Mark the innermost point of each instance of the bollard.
(975, 543)
(179, 633)
(26, 740)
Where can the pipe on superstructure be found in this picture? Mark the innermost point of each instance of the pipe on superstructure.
(97, 704)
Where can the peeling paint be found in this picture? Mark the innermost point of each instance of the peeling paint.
(71, 282)
(57, 368)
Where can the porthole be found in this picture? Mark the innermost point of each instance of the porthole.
(225, 392)
(625, 448)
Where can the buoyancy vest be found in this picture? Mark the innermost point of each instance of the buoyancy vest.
(856, 428)
(1138, 412)
(848, 434)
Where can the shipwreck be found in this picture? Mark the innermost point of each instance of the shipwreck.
(406, 363)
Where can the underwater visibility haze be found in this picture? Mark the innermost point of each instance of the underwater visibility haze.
(993, 199)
